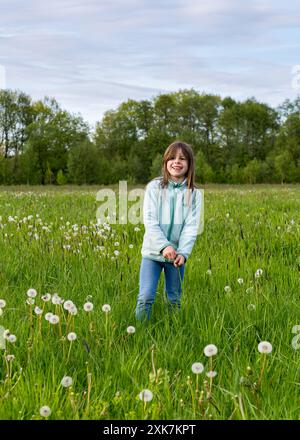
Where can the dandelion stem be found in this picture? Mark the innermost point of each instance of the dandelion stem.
(211, 377)
(89, 380)
(262, 370)
(69, 352)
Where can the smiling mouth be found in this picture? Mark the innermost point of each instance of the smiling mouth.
(177, 168)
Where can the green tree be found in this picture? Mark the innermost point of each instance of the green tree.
(203, 171)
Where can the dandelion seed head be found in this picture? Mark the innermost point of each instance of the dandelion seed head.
(2, 303)
(72, 336)
(197, 367)
(210, 350)
(240, 280)
(227, 289)
(45, 411)
(88, 306)
(131, 329)
(9, 357)
(54, 319)
(48, 316)
(66, 381)
(106, 308)
(146, 395)
(265, 347)
(211, 374)
(46, 297)
(68, 304)
(208, 272)
(73, 310)
(31, 293)
(55, 299)
(258, 273)
(38, 311)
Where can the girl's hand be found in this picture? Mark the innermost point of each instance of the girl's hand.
(179, 260)
(169, 252)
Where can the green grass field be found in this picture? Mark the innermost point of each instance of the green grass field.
(50, 241)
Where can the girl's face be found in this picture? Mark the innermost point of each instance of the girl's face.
(177, 166)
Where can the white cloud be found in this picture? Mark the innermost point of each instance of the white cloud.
(92, 55)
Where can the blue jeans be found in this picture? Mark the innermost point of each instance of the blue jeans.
(150, 271)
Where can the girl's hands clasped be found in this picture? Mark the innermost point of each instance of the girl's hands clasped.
(170, 253)
(179, 260)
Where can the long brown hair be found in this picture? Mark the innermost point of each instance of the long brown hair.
(188, 154)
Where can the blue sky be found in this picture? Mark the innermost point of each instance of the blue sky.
(92, 55)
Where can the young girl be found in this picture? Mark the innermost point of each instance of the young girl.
(171, 214)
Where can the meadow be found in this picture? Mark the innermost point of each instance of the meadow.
(72, 348)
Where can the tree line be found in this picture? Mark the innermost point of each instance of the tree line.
(233, 141)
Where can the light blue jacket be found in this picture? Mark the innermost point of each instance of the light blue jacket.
(173, 216)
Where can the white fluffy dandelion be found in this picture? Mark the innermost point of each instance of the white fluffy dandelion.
(258, 273)
(38, 311)
(106, 308)
(73, 310)
(30, 301)
(54, 319)
(2, 303)
(88, 306)
(56, 299)
(48, 316)
(72, 336)
(211, 374)
(240, 280)
(10, 357)
(265, 347)
(31, 293)
(131, 329)
(210, 350)
(66, 381)
(208, 272)
(197, 367)
(46, 297)
(45, 411)
(146, 395)
(227, 289)
(68, 304)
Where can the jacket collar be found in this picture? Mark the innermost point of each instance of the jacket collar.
(177, 184)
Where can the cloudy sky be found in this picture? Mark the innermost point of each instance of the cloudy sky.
(92, 55)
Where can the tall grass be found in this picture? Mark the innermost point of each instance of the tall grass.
(60, 249)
